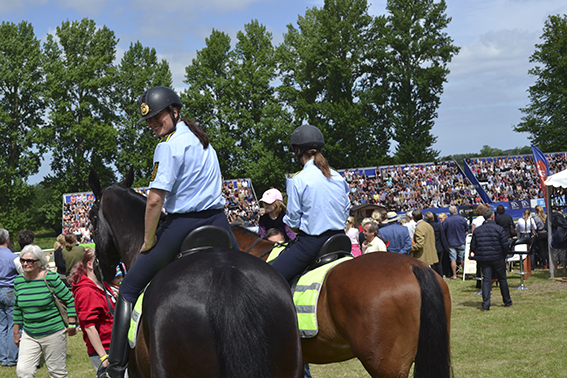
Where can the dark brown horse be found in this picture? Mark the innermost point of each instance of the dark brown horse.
(214, 313)
(388, 310)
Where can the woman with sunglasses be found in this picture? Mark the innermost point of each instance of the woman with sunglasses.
(38, 317)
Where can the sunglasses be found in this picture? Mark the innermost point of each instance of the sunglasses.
(29, 261)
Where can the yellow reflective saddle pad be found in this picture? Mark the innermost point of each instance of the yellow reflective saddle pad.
(305, 297)
(134, 320)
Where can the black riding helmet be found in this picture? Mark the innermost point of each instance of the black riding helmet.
(155, 99)
(306, 137)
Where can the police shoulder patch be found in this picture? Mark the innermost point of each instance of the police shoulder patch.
(154, 171)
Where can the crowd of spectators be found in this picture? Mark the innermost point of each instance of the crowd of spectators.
(399, 188)
(406, 187)
(76, 216)
(241, 203)
(511, 178)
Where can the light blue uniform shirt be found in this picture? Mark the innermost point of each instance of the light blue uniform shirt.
(316, 204)
(190, 174)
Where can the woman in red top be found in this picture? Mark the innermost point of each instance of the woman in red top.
(92, 309)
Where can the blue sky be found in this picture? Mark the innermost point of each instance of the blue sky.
(487, 85)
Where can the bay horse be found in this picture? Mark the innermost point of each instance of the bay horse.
(386, 309)
(213, 313)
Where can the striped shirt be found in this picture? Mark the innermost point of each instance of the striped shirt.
(35, 308)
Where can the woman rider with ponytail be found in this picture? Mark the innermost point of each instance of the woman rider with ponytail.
(317, 205)
(187, 173)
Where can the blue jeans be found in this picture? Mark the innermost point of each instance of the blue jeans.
(8, 349)
(306, 371)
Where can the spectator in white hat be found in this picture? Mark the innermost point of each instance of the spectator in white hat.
(397, 235)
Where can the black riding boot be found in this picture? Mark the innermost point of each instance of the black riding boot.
(119, 348)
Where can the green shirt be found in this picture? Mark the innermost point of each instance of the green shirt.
(35, 308)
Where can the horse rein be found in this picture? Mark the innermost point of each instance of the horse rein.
(96, 207)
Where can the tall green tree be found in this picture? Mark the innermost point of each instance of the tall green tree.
(139, 70)
(419, 52)
(80, 76)
(545, 118)
(262, 122)
(209, 99)
(231, 92)
(333, 74)
(21, 110)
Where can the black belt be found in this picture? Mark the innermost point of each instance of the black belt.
(198, 214)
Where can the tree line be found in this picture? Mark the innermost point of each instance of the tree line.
(368, 82)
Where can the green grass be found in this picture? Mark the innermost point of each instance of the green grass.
(523, 341)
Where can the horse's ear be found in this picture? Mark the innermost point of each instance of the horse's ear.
(129, 180)
(94, 183)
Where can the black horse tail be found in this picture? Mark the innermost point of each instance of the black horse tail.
(239, 325)
(433, 359)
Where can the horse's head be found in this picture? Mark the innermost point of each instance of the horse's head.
(117, 217)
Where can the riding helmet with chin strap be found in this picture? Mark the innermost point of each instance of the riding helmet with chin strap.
(155, 99)
(306, 137)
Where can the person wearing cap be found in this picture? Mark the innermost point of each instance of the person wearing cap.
(397, 235)
(186, 172)
(317, 202)
(274, 212)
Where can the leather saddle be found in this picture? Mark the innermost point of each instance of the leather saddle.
(336, 247)
(205, 237)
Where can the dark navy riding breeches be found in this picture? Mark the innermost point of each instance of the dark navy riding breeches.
(300, 255)
(170, 237)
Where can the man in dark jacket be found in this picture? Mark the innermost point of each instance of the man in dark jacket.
(505, 221)
(489, 247)
(441, 243)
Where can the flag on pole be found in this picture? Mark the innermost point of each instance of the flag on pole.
(542, 168)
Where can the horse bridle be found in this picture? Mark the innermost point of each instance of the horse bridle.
(96, 209)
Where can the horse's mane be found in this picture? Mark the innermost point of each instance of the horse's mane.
(121, 225)
(239, 227)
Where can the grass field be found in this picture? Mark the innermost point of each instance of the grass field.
(523, 341)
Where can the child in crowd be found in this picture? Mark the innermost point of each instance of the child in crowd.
(352, 232)
(273, 215)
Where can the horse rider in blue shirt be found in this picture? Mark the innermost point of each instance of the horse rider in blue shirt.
(317, 205)
(186, 173)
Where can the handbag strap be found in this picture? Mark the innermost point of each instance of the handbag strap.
(46, 284)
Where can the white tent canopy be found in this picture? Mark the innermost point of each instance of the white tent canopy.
(558, 180)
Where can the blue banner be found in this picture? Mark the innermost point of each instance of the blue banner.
(542, 168)
(475, 183)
